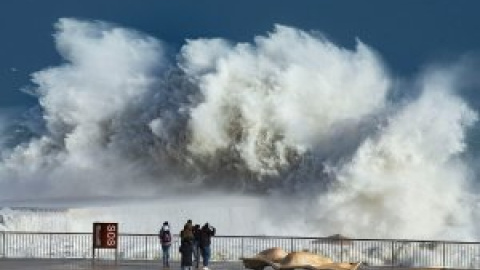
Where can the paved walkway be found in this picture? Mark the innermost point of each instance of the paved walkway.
(83, 264)
(64, 264)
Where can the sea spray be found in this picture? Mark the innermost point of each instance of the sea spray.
(304, 125)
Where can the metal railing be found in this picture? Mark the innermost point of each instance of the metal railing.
(372, 252)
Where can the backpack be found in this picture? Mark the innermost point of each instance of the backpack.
(165, 236)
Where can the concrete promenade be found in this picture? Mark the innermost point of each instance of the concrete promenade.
(82, 264)
(76, 264)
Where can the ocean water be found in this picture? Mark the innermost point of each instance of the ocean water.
(289, 134)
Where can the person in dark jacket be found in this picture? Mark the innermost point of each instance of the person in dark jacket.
(206, 233)
(196, 245)
(186, 252)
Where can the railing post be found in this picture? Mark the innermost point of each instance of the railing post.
(291, 244)
(393, 253)
(341, 250)
(50, 245)
(146, 247)
(242, 254)
(3, 245)
(5, 236)
(444, 264)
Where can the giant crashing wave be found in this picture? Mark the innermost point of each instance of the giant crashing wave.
(307, 125)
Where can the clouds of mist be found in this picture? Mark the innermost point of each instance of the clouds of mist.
(290, 115)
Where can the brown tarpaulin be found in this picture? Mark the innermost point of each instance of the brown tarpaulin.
(280, 260)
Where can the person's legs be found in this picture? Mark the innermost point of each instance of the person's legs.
(196, 254)
(206, 258)
(202, 251)
(166, 256)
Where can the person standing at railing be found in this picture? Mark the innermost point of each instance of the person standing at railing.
(166, 240)
(186, 247)
(196, 244)
(206, 233)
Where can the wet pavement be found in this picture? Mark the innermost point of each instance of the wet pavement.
(73, 264)
(85, 264)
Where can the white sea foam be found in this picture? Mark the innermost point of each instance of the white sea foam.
(304, 126)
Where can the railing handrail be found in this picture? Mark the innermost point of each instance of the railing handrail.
(376, 252)
(327, 238)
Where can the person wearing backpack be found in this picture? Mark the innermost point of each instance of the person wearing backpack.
(166, 241)
(206, 233)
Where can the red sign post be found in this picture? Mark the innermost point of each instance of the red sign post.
(105, 235)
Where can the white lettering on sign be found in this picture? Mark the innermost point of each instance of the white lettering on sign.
(105, 235)
(111, 235)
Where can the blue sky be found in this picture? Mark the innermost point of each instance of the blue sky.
(408, 34)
